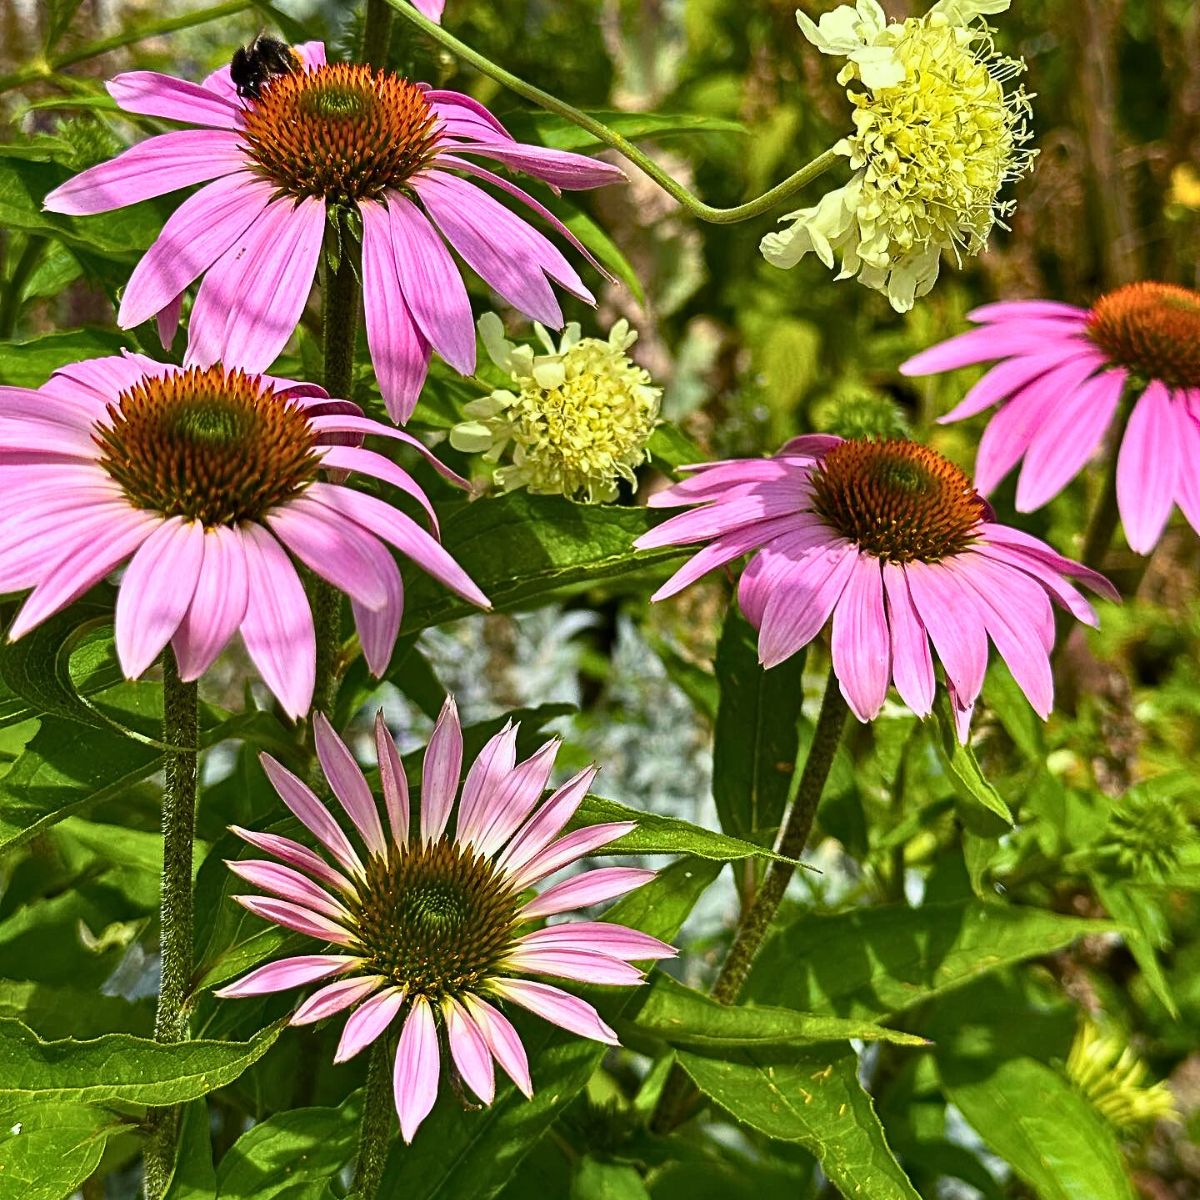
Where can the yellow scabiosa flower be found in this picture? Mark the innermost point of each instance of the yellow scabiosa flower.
(578, 416)
(1107, 1071)
(935, 139)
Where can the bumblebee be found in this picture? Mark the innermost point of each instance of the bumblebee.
(255, 65)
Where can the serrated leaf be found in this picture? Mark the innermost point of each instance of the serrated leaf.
(757, 731)
(814, 1098)
(875, 961)
(119, 1068)
(48, 1149)
(473, 1154)
(684, 1017)
(1050, 1135)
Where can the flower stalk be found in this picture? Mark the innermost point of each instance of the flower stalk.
(377, 1124)
(609, 137)
(679, 1096)
(181, 733)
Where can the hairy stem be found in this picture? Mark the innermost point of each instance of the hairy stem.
(180, 730)
(378, 1122)
(602, 133)
(679, 1097)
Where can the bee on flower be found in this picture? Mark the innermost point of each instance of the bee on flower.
(935, 140)
(577, 417)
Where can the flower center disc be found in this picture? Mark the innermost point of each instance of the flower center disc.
(433, 920)
(208, 445)
(343, 132)
(1152, 328)
(898, 500)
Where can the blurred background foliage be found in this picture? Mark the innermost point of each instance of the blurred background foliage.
(1104, 795)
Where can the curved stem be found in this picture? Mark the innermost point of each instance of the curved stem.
(180, 728)
(378, 1122)
(601, 132)
(678, 1094)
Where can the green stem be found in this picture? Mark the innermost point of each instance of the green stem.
(601, 132)
(378, 1122)
(341, 300)
(180, 729)
(679, 1095)
(377, 33)
(47, 66)
(26, 264)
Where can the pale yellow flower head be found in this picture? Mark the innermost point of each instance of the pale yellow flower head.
(1107, 1071)
(935, 140)
(577, 417)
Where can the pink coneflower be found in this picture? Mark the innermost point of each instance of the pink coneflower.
(893, 542)
(206, 481)
(1059, 387)
(324, 136)
(430, 8)
(434, 928)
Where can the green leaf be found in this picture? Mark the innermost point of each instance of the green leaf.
(119, 1068)
(598, 1180)
(70, 1011)
(292, 1154)
(522, 550)
(1144, 929)
(605, 250)
(1052, 1137)
(48, 1149)
(757, 733)
(874, 961)
(32, 362)
(670, 447)
(193, 1177)
(562, 134)
(683, 1017)
(812, 1097)
(656, 834)
(965, 775)
(472, 1154)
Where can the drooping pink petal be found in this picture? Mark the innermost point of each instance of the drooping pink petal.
(157, 589)
(368, 462)
(295, 855)
(295, 916)
(417, 1067)
(803, 600)
(349, 784)
(954, 623)
(462, 116)
(1007, 310)
(433, 289)
(166, 321)
(110, 375)
(862, 640)
(585, 966)
(912, 664)
(440, 772)
(709, 481)
(1070, 436)
(218, 604)
(502, 1040)
(196, 234)
(288, 973)
(631, 945)
(556, 1006)
(583, 891)
(567, 850)
(774, 562)
(1006, 535)
(151, 168)
(278, 628)
(1187, 492)
(515, 797)
(1038, 568)
(393, 780)
(733, 509)
(558, 168)
(154, 95)
(1010, 376)
(495, 761)
(83, 565)
(402, 532)
(547, 823)
(1148, 466)
(311, 813)
(399, 351)
(469, 1050)
(253, 296)
(336, 997)
(378, 628)
(287, 885)
(365, 1024)
(979, 345)
(341, 423)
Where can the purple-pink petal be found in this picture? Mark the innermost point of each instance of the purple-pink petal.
(393, 781)
(311, 813)
(547, 823)
(440, 772)
(295, 855)
(862, 641)
(469, 1050)
(586, 966)
(415, 1081)
(582, 891)
(336, 997)
(502, 1040)
(288, 973)
(805, 596)
(632, 945)
(349, 784)
(154, 95)
(556, 1006)
(568, 849)
(287, 885)
(1148, 467)
(955, 626)
(365, 1024)
(912, 664)
(295, 916)
(495, 761)
(218, 605)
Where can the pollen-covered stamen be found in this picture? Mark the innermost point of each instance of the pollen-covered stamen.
(897, 499)
(206, 444)
(1151, 328)
(343, 132)
(434, 919)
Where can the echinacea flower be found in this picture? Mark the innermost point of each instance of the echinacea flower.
(935, 140)
(432, 921)
(324, 137)
(206, 482)
(1058, 388)
(890, 540)
(578, 416)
